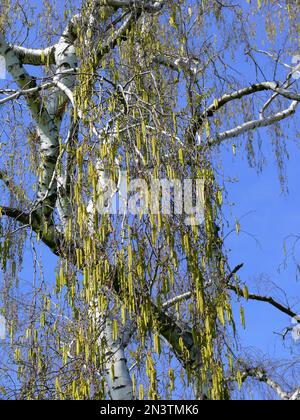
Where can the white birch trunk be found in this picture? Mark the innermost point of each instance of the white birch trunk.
(117, 373)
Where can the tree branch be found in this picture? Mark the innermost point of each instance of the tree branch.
(251, 125)
(154, 6)
(262, 376)
(35, 57)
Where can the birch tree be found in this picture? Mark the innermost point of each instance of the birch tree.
(138, 306)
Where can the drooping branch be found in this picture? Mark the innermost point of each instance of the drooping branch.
(16, 214)
(262, 376)
(251, 125)
(267, 299)
(175, 335)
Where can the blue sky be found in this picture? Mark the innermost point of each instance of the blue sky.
(269, 217)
